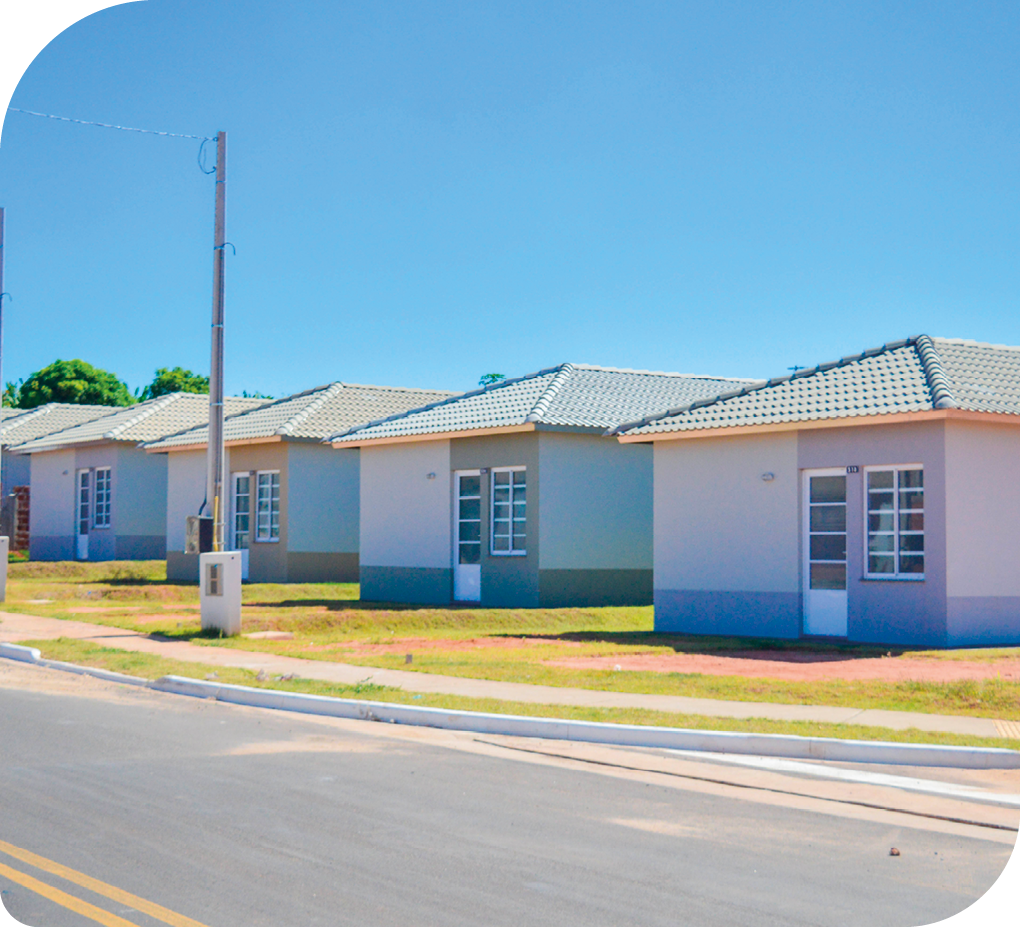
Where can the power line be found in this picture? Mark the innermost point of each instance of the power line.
(106, 125)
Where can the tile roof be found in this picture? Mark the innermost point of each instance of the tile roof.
(917, 374)
(314, 414)
(569, 396)
(145, 421)
(21, 425)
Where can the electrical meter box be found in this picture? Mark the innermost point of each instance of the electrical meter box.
(220, 592)
(198, 533)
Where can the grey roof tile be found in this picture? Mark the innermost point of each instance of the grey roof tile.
(313, 414)
(23, 425)
(145, 421)
(569, 395)
(913, 375)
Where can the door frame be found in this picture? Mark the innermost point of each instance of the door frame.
(234, 477)
(467, 577)
(831, 605)
(81, 538)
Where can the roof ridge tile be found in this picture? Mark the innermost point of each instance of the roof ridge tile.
(317, 403)
(157, 406)
(541, 406)
(938, 383)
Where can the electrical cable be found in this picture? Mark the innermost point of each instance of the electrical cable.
(107, 125)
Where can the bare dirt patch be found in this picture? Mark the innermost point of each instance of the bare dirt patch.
(801, 667)
(427, 644)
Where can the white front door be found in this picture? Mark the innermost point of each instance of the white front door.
(825, 603)
(240, 525)
(83, 514)
(467, 536)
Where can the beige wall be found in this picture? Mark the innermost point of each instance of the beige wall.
(406, 517)
(184, 493)
(718, 525)
(267, 560)
(982, 509)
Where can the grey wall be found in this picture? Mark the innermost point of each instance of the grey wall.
(323, 498)
(51, 515)
(889, 611)
(982, 534)
(727, 543)
(16, 470)
(405, 522)
(185, 493)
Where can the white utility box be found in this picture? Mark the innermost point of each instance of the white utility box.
(5, 546)
(220, 591)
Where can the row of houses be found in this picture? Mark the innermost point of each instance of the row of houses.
(875, 498)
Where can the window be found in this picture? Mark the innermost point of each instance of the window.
(267, 510)
(469, 518)
(242, 510)
(101, 515)
(895, 501)
(84, 505)
(827, 532)
(509, 508)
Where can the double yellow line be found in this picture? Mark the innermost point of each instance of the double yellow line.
(72, 903)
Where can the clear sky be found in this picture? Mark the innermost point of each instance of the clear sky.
(422, 192)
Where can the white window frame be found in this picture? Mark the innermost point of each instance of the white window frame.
(258, 535)
(522, 552)
(234, 477)
(897, 469)
(102, 492)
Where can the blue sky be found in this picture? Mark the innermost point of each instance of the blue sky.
(420, 193)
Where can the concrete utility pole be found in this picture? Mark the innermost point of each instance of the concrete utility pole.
(215, 475)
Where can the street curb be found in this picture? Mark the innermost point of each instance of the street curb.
(623, 735)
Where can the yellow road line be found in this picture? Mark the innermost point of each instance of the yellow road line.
(62, 898)
(94, 885)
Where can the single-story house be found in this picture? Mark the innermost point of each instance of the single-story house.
(512, 495)
(293, 501)
(96, 495)
(874, 499)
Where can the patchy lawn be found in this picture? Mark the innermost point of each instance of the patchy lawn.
(579, 647)
(149, 666)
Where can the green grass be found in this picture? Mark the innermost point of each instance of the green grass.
(329, 623)
(149, 666)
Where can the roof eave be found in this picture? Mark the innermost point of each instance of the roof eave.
(435, 436)
(201, 446)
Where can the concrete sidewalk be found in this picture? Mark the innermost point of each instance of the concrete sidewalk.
(15, 628)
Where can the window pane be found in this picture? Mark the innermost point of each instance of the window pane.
(912, 543)
(828, 518)
(881, 501)
(884, 522)
(879, 543)
(912, 499)
(470, 508)
(828, 547)
(501, 543)
(912, 521)
(470, 553)
(911, 563)
(880, 563)
(828, 576)
(470, 531)
(500, 512)
(520, 493)
(520, 477)
(911, 478)
(501, 494)
(880, 479)
(501, 478)
(470, 486)
(828, 489)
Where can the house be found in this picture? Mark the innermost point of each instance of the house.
(293, 501)
(512, 495)
(876, 499)
(96, 495)
(19, 426)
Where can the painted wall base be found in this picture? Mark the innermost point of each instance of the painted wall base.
(982, 621)
(412, 585)
(51, 548)
(593, 588)
(743, 614)
(181, 567)
(305, 567)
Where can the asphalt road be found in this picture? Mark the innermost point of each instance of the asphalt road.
(234, 816)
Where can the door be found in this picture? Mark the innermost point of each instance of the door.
(467, 541)
(825, 603)
(240, 526)
(83, 514)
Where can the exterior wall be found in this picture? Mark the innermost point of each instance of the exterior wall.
(982, 534)
(185, 493)
(138, 509)
(506, 581)
(16, 470)
(727, 543)
(323, 513)
(405, 523)
(267, 560)
(889, 611)
(51, 525)
(595, 521)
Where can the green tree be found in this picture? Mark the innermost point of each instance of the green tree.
(177, 380)
(12, 394)
(487, 379)
(73, 381)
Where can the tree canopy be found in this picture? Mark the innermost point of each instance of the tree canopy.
(487, 379)
(73, 381)
(177, 380)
